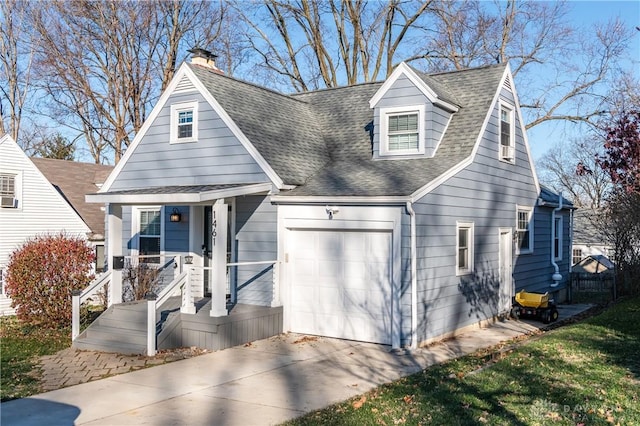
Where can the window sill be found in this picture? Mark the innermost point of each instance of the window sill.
(185, 140)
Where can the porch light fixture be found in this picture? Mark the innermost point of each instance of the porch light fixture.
(175, 216)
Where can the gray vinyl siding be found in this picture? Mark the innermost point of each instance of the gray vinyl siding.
(217, 157)
(403, 93)
(485, 193)
(534, 271)
(256, 240)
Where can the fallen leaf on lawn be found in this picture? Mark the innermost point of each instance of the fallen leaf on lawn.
(359, 402)
(407, 399)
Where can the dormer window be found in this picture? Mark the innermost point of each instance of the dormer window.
(402, 130)
(184, 122)
(507, 134)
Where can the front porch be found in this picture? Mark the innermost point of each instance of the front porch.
(123, 328)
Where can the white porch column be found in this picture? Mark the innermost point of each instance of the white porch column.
(219, 260)
(114, 248)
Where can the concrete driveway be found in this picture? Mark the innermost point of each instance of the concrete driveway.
(265, 382)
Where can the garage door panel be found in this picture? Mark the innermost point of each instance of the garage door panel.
(345, 291)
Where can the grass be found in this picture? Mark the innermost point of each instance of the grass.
(20, 347)
(587, 373)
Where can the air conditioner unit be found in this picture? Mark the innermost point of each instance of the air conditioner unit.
(507, 152)
(8, 202)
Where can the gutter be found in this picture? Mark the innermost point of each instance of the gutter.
(556, 277)
(414, 278)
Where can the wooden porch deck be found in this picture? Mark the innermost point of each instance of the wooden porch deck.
(245, 323)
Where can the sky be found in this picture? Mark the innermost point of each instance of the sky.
(546, 135)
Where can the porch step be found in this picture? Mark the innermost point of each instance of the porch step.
(122, 329)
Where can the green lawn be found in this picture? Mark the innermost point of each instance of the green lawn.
(20, 347)
(585, 373)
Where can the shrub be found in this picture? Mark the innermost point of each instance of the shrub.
(42, 274)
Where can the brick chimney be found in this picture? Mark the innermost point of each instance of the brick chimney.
(204, 58)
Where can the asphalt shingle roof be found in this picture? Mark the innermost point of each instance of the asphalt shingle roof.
(321, 140)
(73, 180)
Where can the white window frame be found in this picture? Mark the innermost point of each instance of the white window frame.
(507, 153)
(529, 211)
(469, 227)
(17, 187)
(574, 257)
(135, 228)
(557, 235)
(176, 109)
(385, 113)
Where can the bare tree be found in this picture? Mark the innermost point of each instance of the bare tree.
(16, 53)
(313, 43)
(560, 69)
(557, 170)
(103, 63)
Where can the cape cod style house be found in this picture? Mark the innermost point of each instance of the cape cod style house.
(41, 196)
(396, 212)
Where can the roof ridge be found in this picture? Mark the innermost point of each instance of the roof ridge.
(248, 83)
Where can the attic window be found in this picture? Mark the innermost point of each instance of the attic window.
(402, 130)
(184, 122)
(507, 133)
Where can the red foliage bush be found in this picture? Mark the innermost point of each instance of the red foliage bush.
(42, 274)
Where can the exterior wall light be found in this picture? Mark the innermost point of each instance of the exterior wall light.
(175, 216)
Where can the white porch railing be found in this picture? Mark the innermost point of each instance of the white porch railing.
(80, 296)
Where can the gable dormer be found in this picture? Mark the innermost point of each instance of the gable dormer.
(411, 115)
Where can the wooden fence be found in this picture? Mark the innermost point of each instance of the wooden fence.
(586, 287)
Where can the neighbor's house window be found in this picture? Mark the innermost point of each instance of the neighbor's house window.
(507, 133)
(576, 256)
(184, 122)
(557, 239)
(8, 190)
(524, 229)
(402, 130)
(464, 252)
(149, 235)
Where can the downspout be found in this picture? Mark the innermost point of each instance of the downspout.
(414, 278)
(556, 277)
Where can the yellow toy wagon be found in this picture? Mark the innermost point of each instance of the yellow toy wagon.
(536, 305)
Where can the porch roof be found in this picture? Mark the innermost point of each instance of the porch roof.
(191, 194)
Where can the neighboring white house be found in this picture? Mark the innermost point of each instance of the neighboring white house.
(31, 205)
(587, 238)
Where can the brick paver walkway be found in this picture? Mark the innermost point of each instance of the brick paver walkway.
(71, 367)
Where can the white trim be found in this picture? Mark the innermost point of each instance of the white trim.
(182, 71)
(510, 158)
(404, 69)
(176, 109)
(386, 113)
(471, 248)
(352, 200)
(530, 211)
(178, 198)
(135, 227)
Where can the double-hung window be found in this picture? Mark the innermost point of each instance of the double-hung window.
(524, 229)
(184, 122)
(507, 133)
(557, 239)
(149, 235)
(577, 256)
(7, 190)
(464, 248)
(402, 130)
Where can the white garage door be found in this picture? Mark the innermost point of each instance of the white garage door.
(341, 284)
